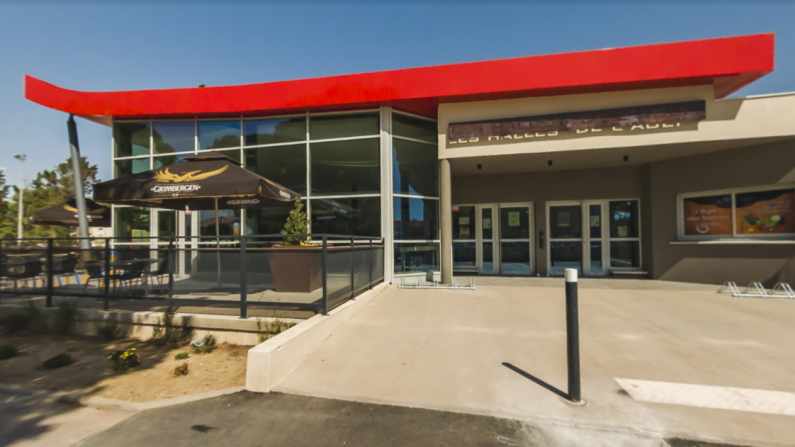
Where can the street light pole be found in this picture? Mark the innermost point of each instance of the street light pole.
(21, 158)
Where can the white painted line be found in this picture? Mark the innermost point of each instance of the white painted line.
(705, 396)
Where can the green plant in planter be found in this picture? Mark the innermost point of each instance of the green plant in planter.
(59, 361)
(297, 223)
(7, 351)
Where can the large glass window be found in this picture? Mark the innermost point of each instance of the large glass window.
(285, 165)
(228, 223)
(757, 212)
(624, 254)
(168, 160)
(166, 224)
(172, 137)
(416, 128)
(416, 258)
(565, 222)
(360, 216)
(624, 219)
(346, 167)
(131, 139)
(267, 220)
(464, 222)
(131, 166)
(131, 223)
(414, 168)
(416, 219)
(342, 126)
(219, 134)
(281, 130)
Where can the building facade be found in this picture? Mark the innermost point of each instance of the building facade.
(624, 162)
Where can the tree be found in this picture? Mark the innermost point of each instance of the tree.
(5, 213)
(297, 223)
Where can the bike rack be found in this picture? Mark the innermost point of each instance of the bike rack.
(757, 290)
(470, 285)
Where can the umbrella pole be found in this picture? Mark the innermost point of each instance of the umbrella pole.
(218, 242)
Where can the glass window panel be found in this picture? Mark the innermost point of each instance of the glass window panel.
(464, 222)
(168, 160)
(416, 218)
(282, 130)
(166, 224)
(346, 167)
(219, 134)
(267, 220)
(595, 221)
(172, 137)
(131, 223)
(416, 258)
(596, 258)
(234, 154)
(342, 126)
(710, 215)
(625, 254)
(486, 223)
(766, 212)
(515, 223)
(565, 222)
(131, 139)
(515, 258)
(414, 168)
(360, 216)
(464, 256)
(228, 223)
(131, 166)
(488, 257)
(565, 255)
(285, 165)
(419, 129)
(624, 218)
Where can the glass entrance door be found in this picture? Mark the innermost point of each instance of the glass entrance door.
(516, 245)
(564, 221)
(487, 232)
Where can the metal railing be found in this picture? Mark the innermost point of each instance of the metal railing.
(206, 273)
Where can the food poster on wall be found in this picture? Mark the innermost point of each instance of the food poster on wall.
(708, 215)
(765, 212)
(513, 219)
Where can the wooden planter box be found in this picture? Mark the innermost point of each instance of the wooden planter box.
(296, 268)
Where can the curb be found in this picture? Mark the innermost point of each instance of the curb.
(113, 404)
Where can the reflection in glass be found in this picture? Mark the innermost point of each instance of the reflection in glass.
(414, 168)
(486, 223)
(515, 223)
(346, 167)
(285, 165)
(625, 254)
(168, 160)
(416, 258)
(464, 256)
(624, 218)
(464, 222)
(131, 139)
(341, 126)
(565, 222)
(267, 220)
(228, 224)
(219, 134)
(131, 223)
(515, 258)
(416, 218)
(130, 166)
(281, 130)
(595, 221)
(596, 258)
(419, 129)
(174, 137)
(565, 255)
(166, 224)
(488, 257)
(766, 212)
(360, 216)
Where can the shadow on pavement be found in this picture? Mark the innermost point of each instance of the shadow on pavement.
(23, 417)
(535, 379)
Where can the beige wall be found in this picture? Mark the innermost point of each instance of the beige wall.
(762, 117)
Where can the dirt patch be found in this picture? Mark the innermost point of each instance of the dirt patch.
(92, 373)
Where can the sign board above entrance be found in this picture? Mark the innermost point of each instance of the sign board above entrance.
(626, 120)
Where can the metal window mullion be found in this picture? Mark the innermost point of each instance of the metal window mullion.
(414, 115)
(331, 140)
(308, 171)
(409, 196)
(291, 143)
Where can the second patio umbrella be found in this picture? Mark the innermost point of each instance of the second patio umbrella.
(65, 214)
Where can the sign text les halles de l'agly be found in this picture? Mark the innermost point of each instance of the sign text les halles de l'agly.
(622, 119)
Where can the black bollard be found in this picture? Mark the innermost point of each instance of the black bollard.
(572, 335)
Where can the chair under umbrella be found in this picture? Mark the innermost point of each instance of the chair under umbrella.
(65, 214)
(209, 181)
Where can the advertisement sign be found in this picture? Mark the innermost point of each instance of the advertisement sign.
(766, 212)
(708, 215)
(513, 219)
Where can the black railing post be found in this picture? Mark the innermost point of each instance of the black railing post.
(170, 269)
(371, 264)
(572, 335)
(243, 279)
(106, 282)
(353, 268)
(50, 277)
(323, 256)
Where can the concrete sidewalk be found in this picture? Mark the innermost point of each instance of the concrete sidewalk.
(500, 351)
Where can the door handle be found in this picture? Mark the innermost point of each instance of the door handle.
(541, 239)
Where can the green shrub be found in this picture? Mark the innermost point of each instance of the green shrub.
(181, 370)
(268, 330)
(7, 351)
(65, 317)
(30, 318)
(181, 356)
(59, 361)
(165, 332)
(297, 223)
(124, 360)
(110, 332)
(210, 343)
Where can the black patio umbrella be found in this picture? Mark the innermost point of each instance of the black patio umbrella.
(65, 214)
(203, 182)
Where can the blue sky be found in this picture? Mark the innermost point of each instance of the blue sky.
(149, 45)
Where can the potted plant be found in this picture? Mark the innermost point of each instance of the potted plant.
(297, 265)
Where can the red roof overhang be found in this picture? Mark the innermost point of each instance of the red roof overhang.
(726, 63)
